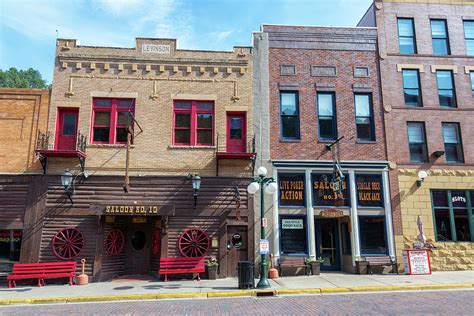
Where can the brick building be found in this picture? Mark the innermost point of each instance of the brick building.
(426, 51)
(22, 113)
(317, 100)
(165, 117)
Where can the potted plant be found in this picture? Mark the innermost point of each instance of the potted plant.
(314, 265)
(361, 265)
(212, 266)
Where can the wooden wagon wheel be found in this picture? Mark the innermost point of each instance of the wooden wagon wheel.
(194, 242)
(114, 242)
(68, 243)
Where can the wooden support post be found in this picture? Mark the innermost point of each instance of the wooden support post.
(126, 185)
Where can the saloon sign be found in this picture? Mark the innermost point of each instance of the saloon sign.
(133, 209)
(326, 193)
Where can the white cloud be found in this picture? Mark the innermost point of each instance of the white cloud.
(118, 7)
(221, 35)
(40, 22)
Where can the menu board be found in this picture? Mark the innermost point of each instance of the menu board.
(292, 189)
(324, 194)
(416, 262)
(369, 190)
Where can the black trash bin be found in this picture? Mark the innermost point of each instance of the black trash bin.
(246, 275)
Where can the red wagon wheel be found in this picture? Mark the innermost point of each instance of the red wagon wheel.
(68, 243)
(115, 242)
(194, 242)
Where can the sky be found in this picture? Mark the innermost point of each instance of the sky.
(29, 28)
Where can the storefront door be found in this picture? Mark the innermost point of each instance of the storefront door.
(139, 239)
(236, 248)
(327, 244)
(66, 129)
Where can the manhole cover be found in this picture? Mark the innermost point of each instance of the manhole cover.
(123, 288)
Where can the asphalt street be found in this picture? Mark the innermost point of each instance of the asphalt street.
(453, 302)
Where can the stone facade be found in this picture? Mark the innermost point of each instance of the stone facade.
(22, 113)
(154, 80)
(409, 201)
(416, 201)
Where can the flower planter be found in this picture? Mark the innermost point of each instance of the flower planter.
(212, 272)
(361, 267)
(315, 268)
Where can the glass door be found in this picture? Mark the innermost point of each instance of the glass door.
(327, 244)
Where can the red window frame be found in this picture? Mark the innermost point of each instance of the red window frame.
(194, 111)
(114, 109)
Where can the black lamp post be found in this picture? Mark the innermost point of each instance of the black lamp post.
(270, 186)
(196, 180)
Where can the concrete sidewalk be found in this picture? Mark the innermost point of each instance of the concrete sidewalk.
(156, 289)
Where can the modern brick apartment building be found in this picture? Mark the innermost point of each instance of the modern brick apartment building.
(315, 87)
(22, 113)
(166, 118)
(426, 51)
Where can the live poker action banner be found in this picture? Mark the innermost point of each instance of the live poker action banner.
(292, 189)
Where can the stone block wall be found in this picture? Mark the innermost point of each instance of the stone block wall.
(416, 201)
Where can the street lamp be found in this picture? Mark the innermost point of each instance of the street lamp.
(270, 186)
(196, 180)
(66, 181)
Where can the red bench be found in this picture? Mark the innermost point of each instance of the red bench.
(181, 265)
(42, 271)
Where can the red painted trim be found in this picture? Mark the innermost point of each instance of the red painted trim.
(61, 153)
(193, 111)
(226, 155)
(409, 263)
(113, 110)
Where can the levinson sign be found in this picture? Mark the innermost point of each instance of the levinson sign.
(156, 49)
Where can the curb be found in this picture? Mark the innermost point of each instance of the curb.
(247, 293)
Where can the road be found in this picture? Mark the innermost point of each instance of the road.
(456, 302)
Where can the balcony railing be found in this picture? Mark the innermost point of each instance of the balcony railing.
(45, 142)
(45, 148)
(246, 151)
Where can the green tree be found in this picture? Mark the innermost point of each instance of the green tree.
(14, 78)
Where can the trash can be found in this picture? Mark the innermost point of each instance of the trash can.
(246, 276)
